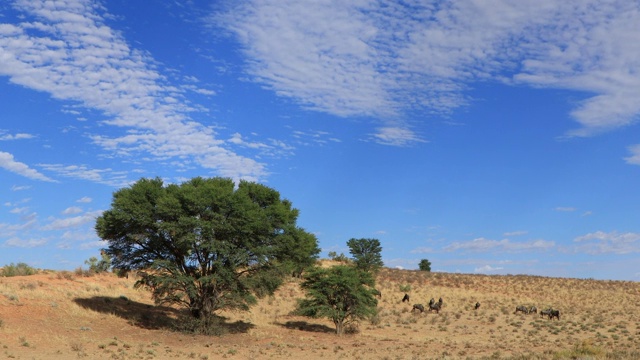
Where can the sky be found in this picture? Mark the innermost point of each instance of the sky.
(487, 136)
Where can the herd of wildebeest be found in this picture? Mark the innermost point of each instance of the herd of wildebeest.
(437, 306)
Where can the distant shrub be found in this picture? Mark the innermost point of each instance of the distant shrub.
(99, 266)
(425, 265)
(405, 288)
(341, 258)
(79, 271)
(20, 269)
(64, 274)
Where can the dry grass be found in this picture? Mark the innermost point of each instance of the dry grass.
(63, 315)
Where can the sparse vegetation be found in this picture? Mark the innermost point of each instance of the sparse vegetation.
(599, 321)
(19, 269)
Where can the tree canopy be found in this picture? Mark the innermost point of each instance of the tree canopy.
(205, 244)
(341, 293)
(366, 254)
(425, 265)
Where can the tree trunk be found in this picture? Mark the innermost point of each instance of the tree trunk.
(339, 327)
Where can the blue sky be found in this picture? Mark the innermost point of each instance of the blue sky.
(493, 137)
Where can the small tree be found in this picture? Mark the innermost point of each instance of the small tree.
(340, 258)
(341, 293)
(99, 266)
(206, 244)
(366, 254)
(425, 265)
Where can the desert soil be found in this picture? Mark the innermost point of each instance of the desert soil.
(62, 315)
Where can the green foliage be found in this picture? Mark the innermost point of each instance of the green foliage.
(425, 265)
(341, 258)
(99, 266)
(366, 254)
(19, 269)
(299, 252)
(205, 244)
(342, 293)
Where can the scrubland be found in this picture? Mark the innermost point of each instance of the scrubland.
(65, 315)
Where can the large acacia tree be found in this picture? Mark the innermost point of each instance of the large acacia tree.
(206, 244)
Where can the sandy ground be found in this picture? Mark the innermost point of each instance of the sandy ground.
(60, 315)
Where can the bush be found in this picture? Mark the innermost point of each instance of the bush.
(20, 269)
(425, 265)
(340, 258)
(99, 266)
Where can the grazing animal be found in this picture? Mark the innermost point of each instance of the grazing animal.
(554, 314)
(440, 300)
(418, 307)
(435, 307)
(405, 298)
(533, 310)
(477, 306)
(546, 312)
(431, 302)
(522, 309)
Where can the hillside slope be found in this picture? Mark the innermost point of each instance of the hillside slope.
(60, 315)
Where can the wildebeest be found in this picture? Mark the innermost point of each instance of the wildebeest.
(477, 306)
(405, 298)
(431, 302)
(522, 309)
(435, 307)
(554, 314)
(418, 307)
(546, 312)
(533, 310)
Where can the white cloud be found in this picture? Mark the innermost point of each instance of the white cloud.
(24, 243)
(635, 155)
(19, 136)
(84, 199)
(58, 224)
(20, 188)
(20, 210)
(483, 245)
(487, 268)
(613, 242)
(8, 163)
(83, 172)
(93, 245)
(72, 210)
(565, 209)
(65, 49)
(384, 60)
(396, 136)
(316, 137)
